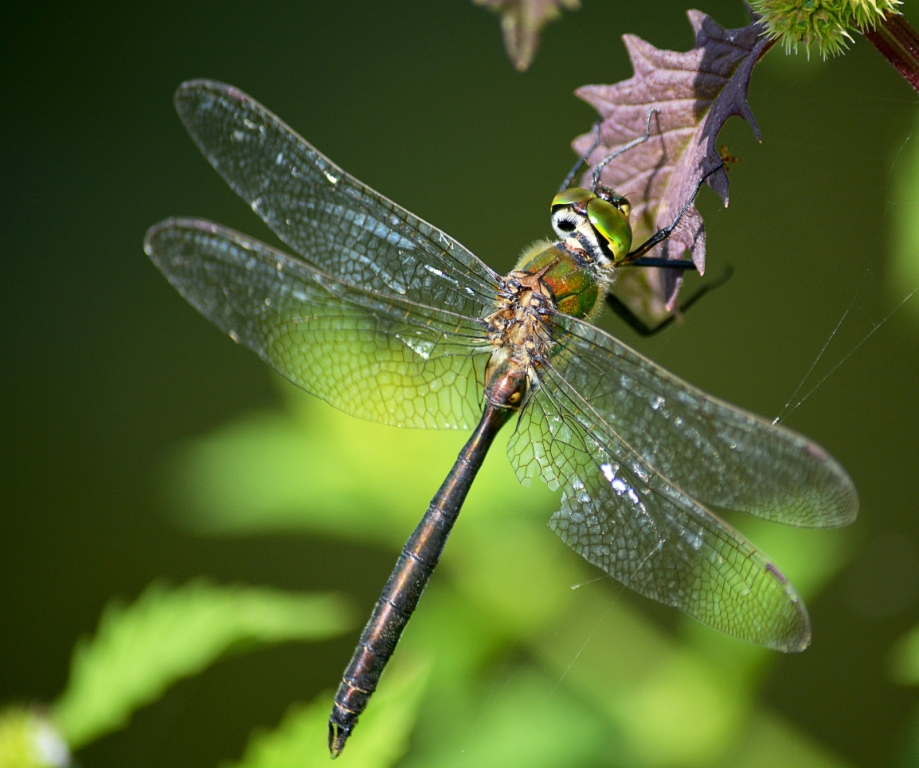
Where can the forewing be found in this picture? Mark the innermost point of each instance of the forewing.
(330, 218)
(647, 533)
(388, 360)
(710, 450)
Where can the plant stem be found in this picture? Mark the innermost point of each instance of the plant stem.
(898, 42)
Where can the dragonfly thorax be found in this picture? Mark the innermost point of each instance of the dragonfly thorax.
(519, 334)
(550, 279)
(597, 221)
(566, 277)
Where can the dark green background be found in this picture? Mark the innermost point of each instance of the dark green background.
(104, 367)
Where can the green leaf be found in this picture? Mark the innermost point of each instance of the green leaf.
(672, 706)
(668, 703)
(903, 276)
(769, 741)
(327, 472)
(266, 472)
(904, 659)
(528, 721)
(169, 634)
(29, 740)
(380, 739)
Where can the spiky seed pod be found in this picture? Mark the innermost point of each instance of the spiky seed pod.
(825, 24)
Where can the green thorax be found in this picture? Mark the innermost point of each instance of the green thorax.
(574, 288)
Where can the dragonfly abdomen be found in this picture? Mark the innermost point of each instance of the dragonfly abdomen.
(410, 576)
(394, 608)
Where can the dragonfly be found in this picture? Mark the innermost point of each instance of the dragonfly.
(388, 318)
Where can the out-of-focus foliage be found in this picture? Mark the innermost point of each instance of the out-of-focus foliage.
(140, 650)
(105, 366)
(903, 665)
(825, 24)
(526, 671)
(693, 94)
(904, 659)
(28, 739)
(319, 470)
(903, 276)
(521, 23)
(300, 740)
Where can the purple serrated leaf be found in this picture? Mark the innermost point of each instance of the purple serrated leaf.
(692, 94)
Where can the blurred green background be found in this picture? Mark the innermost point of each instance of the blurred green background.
(134, 435)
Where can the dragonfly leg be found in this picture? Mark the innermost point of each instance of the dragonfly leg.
(641, 327)
(582, 160)
(595, 176)
(662, 234)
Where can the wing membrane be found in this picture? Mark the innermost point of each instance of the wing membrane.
(384, 320)
(712, 451)
(636, 449)
(386, 360)
(650, 535)
(330, 218)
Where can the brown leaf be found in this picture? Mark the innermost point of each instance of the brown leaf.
(693, 94)
(521, 22)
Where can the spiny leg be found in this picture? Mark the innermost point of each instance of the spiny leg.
(595, 176)
(583, 159)
(624, 313)
(662, 234)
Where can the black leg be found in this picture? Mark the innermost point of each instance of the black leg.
(582, 160)
(661, 263)
(662, 234)
(641, 327)
(595, 176)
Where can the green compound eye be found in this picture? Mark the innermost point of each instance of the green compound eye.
(613, 224)
(571, 196)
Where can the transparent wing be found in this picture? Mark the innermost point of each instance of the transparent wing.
(654, 538)
(635, 449)
(710, 450)
(387, 360)
(330, 218)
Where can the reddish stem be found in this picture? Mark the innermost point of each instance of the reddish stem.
(898, 42)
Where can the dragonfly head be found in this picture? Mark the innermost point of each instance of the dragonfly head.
(599, 221)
